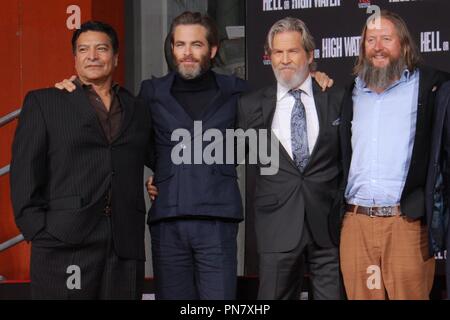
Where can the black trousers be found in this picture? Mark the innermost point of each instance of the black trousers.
(60, 271)
(281, 273)
(447, 262)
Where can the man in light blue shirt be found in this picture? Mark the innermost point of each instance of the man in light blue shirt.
(385, 133)
(382, 145)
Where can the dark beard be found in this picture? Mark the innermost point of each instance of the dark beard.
(205, 65)
(381, 77)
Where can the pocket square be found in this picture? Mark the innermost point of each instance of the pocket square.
(336, 122)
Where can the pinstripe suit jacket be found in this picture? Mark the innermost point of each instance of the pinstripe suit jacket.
(62, 165)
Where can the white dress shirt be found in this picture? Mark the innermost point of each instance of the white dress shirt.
(281, 124)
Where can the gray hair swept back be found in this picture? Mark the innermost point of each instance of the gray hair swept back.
(291, 24)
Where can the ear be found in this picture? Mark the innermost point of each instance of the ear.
(116, 60)
(214, 52)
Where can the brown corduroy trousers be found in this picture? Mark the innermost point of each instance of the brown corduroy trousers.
(385, 258)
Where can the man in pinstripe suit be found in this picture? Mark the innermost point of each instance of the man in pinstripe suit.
(76, 179)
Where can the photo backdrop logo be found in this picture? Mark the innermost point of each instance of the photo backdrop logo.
(363, 4)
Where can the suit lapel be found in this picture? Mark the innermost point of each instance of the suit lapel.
(82, 105)
(127, 104)
(345, 129)
(220, 98)
(269, 104)
(321, 104)
(426, 82)
(168, 101)
(322, 109)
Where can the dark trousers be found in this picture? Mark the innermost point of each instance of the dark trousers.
(447, 262)
(195, 259)
(60, 271)
(281, 273)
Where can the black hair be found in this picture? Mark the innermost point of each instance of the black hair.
(98, 27)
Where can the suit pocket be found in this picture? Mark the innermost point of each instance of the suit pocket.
(66, 203)
(46, 240)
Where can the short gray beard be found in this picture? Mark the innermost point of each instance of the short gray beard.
(189, 74)
(293, 83)
(381, 77)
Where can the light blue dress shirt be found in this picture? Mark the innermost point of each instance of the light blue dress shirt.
(383, 132)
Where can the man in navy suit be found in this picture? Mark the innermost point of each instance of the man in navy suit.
(194, 219)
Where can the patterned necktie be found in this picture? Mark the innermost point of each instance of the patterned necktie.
(299, 134)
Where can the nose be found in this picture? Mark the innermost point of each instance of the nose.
(187, 50)
(92, 54)
(286, 59)
(378, 45)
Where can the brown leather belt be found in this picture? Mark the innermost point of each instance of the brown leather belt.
(375, 211)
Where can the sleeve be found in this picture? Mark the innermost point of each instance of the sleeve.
(241, 147)
(28, 176)
(240, 118)
(444, 97)
(446, 76)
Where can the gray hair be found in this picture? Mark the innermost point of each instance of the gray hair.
(290, 24)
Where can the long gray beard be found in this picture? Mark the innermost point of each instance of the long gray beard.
(293, 83)
(382, 77)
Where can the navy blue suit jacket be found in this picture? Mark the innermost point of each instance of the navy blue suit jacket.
(207, 190)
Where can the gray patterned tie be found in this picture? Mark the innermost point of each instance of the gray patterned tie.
(299, 134)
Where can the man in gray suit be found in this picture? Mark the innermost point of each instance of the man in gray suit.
(294, 208)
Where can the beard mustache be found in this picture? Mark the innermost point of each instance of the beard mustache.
(189, 73)
(293, 82)
(382, 77)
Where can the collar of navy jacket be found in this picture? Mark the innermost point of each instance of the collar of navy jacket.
(228, 86)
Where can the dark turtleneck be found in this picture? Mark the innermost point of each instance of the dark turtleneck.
(195, 95)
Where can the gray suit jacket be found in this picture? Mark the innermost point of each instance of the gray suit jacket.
(286, 200)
